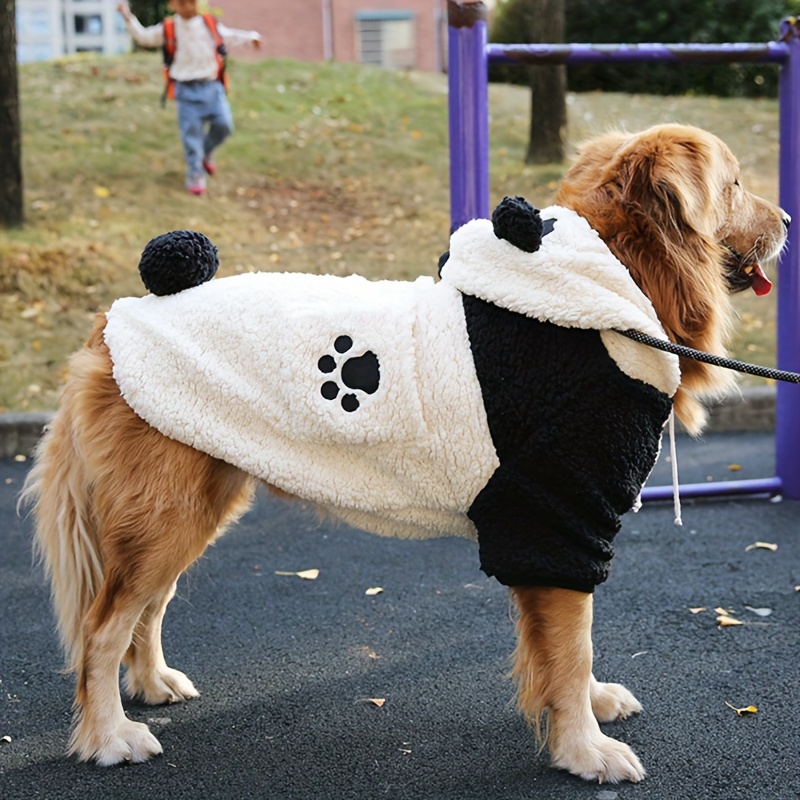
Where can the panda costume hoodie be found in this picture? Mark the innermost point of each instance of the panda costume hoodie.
(498, 403)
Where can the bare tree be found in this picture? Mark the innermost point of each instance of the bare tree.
(11, 206)
(546, 143)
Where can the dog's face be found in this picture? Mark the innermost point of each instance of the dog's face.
(685, 179)
(670, 204)
(752, 229)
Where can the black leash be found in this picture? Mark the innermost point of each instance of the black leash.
(708, 358)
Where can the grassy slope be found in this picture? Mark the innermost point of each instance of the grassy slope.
(333, 168)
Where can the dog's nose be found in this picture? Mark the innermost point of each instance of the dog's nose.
(787, 220)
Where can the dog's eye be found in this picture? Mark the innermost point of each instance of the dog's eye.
(736, 182)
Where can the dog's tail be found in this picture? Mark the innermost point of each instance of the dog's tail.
(66, 540)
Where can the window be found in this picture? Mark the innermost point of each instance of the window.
(89, 23)
(386, 39)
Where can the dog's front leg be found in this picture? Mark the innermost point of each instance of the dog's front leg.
(553, 671)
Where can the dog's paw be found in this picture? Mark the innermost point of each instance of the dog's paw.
(127, 742)
(597, 758)
(166, 685)
(360, 375)
(612, 701)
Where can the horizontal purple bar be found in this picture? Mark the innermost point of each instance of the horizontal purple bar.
(715, 489)
(769, 52)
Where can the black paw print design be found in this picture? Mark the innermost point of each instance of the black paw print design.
(359, 373)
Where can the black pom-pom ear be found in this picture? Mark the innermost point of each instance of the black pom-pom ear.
(176, 261)
(519, 223)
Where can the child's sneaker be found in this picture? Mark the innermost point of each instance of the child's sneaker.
(197, 187)
(209, 166)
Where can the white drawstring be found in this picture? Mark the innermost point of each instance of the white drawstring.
(676, 499)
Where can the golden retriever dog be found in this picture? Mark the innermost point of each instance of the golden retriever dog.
(123, 509)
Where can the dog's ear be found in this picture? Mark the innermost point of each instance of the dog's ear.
(650, 197)
(668, 183)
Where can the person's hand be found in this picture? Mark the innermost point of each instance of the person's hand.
(124, 9)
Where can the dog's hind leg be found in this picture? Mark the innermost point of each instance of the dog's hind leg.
(102, 731)
(553, 669)
(121, 511)
(148, 677)
(152, 529)
(221, 495)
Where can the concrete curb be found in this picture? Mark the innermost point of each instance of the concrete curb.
(753, 410)
(20, 431)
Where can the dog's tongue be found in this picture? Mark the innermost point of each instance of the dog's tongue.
(761, 283)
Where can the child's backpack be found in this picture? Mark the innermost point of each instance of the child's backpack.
(169, 53)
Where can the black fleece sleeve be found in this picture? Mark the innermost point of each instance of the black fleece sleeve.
(576, 439)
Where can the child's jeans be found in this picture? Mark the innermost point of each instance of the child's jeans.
(201, 102)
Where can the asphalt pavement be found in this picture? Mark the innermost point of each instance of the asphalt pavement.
(289, 669)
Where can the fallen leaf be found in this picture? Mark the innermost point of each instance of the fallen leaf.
(6, 739)
(373, 590)
(761, 612)
(376, 701)
(698, 610)
(725, 611)
(741, 712)
(734, 467)
(306, 574)
(762, 546)
(101, 191)
(725, 621)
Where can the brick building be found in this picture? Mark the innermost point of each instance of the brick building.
(396, 34)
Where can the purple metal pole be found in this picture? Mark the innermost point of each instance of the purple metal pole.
(754, 486)
(468, 99)
(469, 183)
(787, 410)
(742, 52)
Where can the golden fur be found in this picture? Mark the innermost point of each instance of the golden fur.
(121, 511)
(669, 204)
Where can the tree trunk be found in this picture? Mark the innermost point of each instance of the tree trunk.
(11, 214)
(548, 126)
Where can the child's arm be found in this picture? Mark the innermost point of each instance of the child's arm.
(146, 37)
(234, 37)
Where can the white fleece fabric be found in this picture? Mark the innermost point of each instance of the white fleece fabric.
(233, 368)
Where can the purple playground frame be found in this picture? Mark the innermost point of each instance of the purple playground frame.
(469, 58)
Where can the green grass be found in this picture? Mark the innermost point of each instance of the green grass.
(333, 168)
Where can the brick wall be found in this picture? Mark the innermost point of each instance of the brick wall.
(295, 28)
(289, 29)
